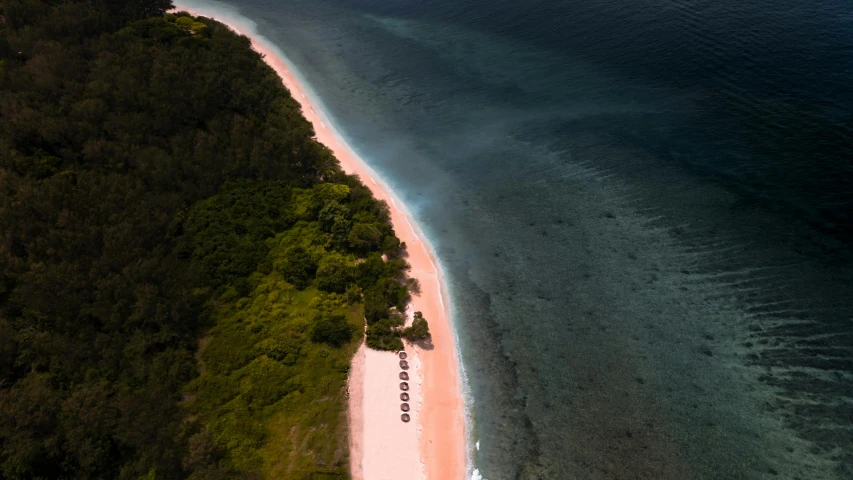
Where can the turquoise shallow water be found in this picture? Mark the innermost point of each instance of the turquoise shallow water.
(643, 208)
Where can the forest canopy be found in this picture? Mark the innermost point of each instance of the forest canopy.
(184, 270)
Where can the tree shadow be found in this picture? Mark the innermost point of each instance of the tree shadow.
(425, 344)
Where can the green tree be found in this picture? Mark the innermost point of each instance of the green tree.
(364, 236)
(331, 213)
(333, 330)
(122, 11)
(375, 306)
(419, 330)
(392, 246)
(381, 336)
(333, 274)
(300, 267)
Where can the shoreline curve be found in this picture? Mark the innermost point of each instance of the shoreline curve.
(439, 412)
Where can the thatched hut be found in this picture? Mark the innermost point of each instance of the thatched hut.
(404, 386)
(403, 355)
(404, 407)
(404, 397)
(404, 376)
(404, 364)
(405, 417)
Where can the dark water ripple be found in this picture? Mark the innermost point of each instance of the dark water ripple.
(644, 209)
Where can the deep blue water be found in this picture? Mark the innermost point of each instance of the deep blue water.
(644, 209)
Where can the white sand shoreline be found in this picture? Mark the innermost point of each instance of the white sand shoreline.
(383, 447)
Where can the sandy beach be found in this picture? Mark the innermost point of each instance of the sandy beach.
(382, 447)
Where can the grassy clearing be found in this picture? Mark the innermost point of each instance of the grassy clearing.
(270, 395)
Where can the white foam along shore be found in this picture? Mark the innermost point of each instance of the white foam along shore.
(382, 446)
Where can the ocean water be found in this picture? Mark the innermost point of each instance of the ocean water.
(644, 209)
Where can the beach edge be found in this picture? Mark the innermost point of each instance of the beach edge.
(441, 429)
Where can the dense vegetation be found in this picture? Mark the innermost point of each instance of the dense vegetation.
(184, 271)
(284, 313)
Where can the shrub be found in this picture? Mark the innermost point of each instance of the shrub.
(392, 246)
(332, 212)
(300, 267)
(375, 306)
(333, 274)
(353, 294)
(364, 236)
(370, 270)
(381, 336)
(333, 330)
(284, 348)
(419, 329)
